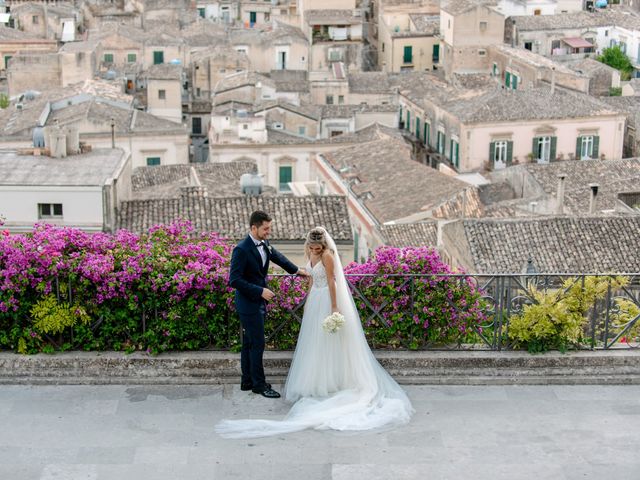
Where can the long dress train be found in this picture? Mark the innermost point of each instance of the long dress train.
(334, 379)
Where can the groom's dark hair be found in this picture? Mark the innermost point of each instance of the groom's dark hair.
(258, 218)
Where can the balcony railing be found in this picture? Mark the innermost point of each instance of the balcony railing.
(396, 311)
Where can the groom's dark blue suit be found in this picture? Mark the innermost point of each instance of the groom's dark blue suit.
(248, 275)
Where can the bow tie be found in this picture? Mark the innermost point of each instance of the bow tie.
(261, 244)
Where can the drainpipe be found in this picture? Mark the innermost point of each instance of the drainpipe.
(560, 194)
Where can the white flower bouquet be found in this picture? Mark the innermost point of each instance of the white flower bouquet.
(333, 322)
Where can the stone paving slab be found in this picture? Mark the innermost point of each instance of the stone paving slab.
(160, 432)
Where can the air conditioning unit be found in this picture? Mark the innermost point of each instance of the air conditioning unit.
(277, 126)
(18, 106)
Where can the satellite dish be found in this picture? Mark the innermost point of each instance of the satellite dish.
(176, 61)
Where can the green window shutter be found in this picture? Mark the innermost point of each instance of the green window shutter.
(408, 125)
(444, 144)
(456, 153)
(400, 114)
(578, 148)
(514, 82)
(436, 53)
(596, 146)
(408, 54)
(418, 128)
(158, 57)
(509, 152)
(108, 58)
(552, 154)
(153, 161)
(507, 79)
(534, 147)
(426, 133)
(253, 17)
(286, 174)
(492, 152)
(132, 58)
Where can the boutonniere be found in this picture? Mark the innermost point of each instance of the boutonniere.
(270, 249)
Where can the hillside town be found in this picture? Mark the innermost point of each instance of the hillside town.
(495, 131)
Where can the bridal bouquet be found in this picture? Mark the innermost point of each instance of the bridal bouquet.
(333, 322)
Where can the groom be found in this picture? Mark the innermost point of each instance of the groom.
(248, 275)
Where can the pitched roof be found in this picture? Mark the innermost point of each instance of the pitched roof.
(613, 177)
(87, 169)
(555, 245)
(456, 7)
(611, 16)
(492, 103)
(293, 216)
(410, 234)
(389, 183)
(369, 82)
(165, 181)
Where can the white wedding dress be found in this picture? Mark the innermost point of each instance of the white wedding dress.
(334, 379)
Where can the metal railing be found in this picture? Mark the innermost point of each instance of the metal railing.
(611, 319)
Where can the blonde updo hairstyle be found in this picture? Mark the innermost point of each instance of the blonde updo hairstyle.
(316, 236)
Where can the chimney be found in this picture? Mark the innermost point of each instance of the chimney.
(560, 194)
(592, 201)
(553, 79)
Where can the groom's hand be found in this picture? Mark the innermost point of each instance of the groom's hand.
(267, 294)
(302, 272)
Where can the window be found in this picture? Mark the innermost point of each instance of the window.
(482, 52)
(35, 19)
(6, 61)
(108, 58)
(454, 153)
(435, 54)
(252, 18)
(544, 148)
(501, 153)
(153, 161)
(511, 80)
(158, 57)
(196, 125)
(587, 147)
(427, 133)
(329, 100)
(407, 125)
(494, 70)
(483, 26)
(245, 126)
(441, 142)
(49, 210)
(302, 130)
(383, 46)
(408, 54)
(286, 174)
(132, 57)
(537, 12)
(162, 94)
(340, 99)
(555, 45)
(201, 12)
(528, 45)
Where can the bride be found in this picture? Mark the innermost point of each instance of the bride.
(334, 381)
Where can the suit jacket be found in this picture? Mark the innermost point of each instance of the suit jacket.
(249, 276)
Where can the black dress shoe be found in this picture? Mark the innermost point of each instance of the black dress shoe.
(269, 393)
(248, 386)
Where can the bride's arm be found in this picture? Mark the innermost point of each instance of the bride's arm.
(327, 261)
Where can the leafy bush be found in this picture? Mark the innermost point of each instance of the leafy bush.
(445, 308)
(556, 318)
(61, 288)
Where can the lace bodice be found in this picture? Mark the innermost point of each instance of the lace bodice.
(319, 275)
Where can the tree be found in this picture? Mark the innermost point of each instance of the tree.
(4, 101)
(616, 58)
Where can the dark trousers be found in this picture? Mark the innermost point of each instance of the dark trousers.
(253, 349)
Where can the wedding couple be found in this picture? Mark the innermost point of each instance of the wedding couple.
(334, 381)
